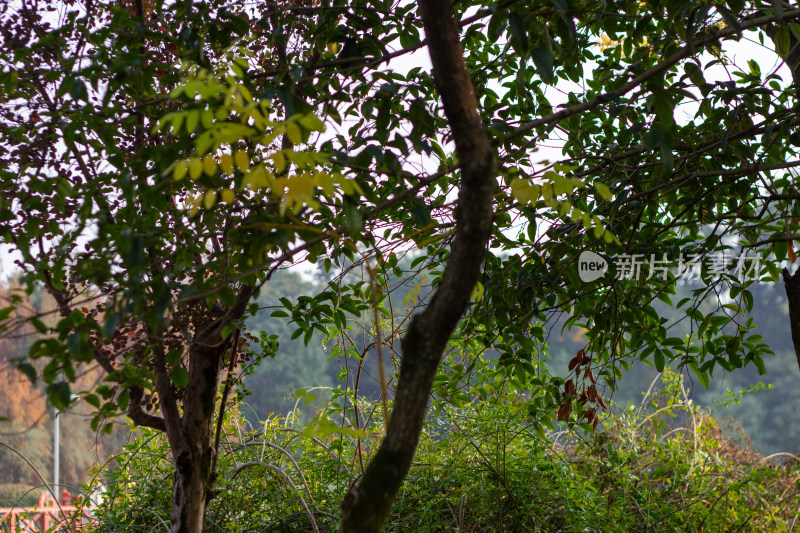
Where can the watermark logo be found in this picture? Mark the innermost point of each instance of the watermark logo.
(591, 266)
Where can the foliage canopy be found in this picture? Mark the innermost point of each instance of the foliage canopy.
(164, 159)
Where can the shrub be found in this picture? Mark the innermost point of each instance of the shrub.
(665, 466)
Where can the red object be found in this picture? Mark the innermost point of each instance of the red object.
(45, 515)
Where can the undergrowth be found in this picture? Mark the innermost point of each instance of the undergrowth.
(662, 466)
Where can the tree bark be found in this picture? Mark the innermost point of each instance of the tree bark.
(190, 430)
(367, 505)
(192, 447)
(792, 285)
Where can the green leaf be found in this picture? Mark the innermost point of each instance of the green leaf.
(39, 325)
(180, 170)
(110, 326)
(560, 5)
(497, 24)
(179, 377)
(519, 35)
(422, 215)
(105, 391)
(78, 90)
(227, 296)
(29, 371)
(93, 400)
(759, 362)
(664, 106)
(658, 360)
(729, 19)
(353, 220)
(136, 253)
(124, 400)
(543, 60)
(58, 394)
(782, 41)
(174, 356)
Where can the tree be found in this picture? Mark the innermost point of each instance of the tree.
(166, 159)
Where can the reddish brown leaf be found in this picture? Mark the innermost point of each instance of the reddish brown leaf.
(592, 394)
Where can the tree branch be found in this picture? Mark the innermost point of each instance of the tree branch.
(683, 53)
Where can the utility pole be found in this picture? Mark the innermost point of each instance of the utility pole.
(56, 452)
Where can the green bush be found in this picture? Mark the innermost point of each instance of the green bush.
(666, 466)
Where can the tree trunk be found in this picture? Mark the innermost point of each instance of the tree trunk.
(367, 505)
(191, 489)
(792, 285)
(190, 429)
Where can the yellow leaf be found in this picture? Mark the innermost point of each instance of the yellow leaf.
(279, 160)
(477, 292)
(325, 182)
(195, 168)
(311, 122)
(258, 119)
(301, 186)
(411, 296)
(226, 163)
(602, 190)
(195, 205)
(299, 190)
(180, 170)
(348, 186)
(245, 92)
(293, 133)
(257, 178)
(209, 199)
(522, 190)
(192, 118)
(547, 192)
(226, 196)
(280, 186)
(209, 165)
(241, 160)
(207, 118)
